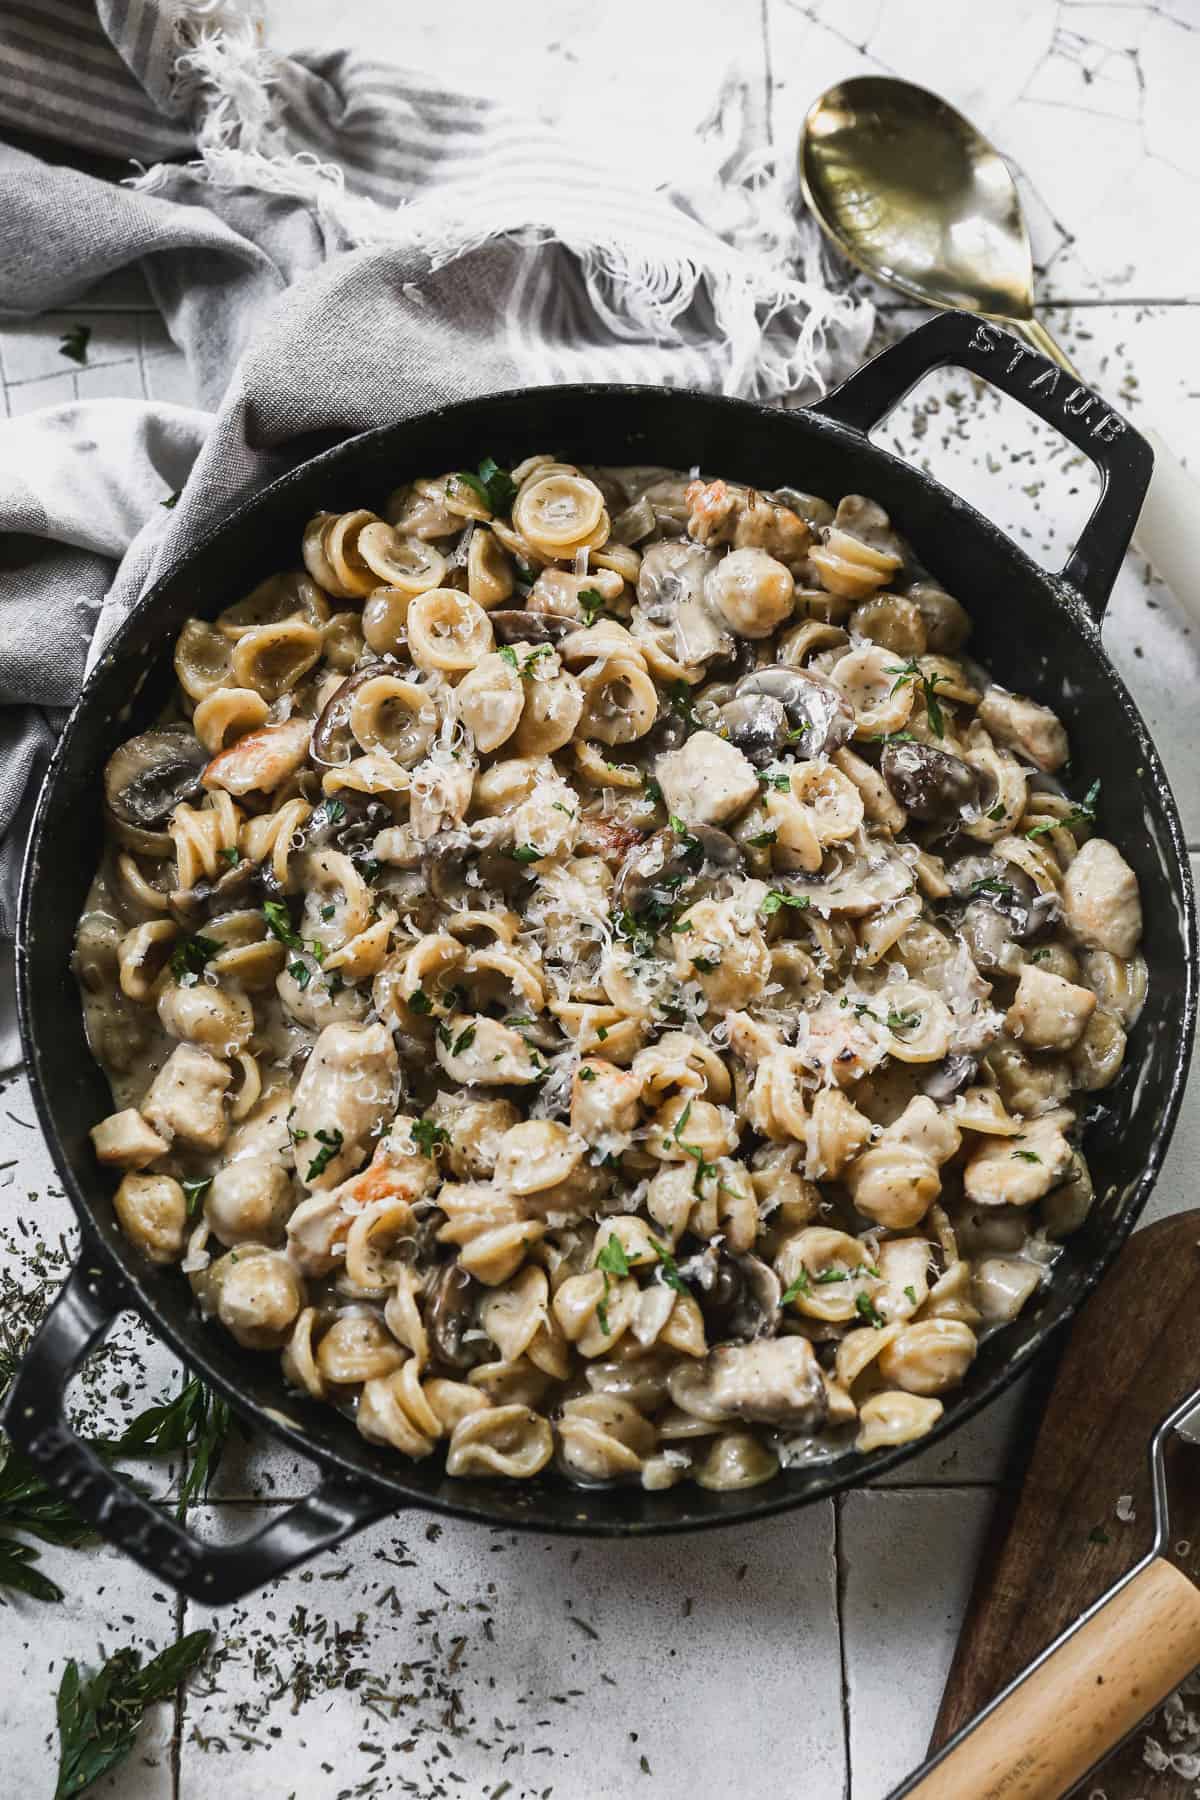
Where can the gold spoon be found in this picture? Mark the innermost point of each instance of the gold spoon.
(917, 198)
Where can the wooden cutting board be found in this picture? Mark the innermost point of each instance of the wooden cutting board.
(1057, 1542)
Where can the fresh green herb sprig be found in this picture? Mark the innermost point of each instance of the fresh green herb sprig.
(775, 899)
(74, 343)
(494, 485)
(331, 1146)
(427, 1134)
(190, 957)
(1083, 814)
(912, 672)
(99, 1715)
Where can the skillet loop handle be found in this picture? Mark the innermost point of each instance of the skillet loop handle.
(1121, 454)
(212, 1574)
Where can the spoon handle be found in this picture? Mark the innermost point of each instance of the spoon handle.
(1168, 530)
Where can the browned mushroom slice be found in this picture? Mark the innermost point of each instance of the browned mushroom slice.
(450, 1315)
(758, 725)
(656, 870)
(672, 575)
(332, 743)
(931, 785)
(146, 778)
(820, 718)
(738, 1295)
(512, 626)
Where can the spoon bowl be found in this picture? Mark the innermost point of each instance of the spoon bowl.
(915, 196)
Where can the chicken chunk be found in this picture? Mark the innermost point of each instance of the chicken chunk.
(343, 1098)
(1016, 1171)
(262, 760)
(776, 1381)
(481, 1052)
(1025, 726)
(186, 1099)
(1048, 1013)
(125, 1141)
(706, 781)
(1101, 900)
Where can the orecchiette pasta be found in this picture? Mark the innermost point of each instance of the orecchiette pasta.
(588, 974)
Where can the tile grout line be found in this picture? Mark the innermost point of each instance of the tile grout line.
(178, 1706)
(839, 1576)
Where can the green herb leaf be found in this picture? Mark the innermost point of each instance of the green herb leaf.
(18, 1574)
(74, 342)
(997, 812)
(900, 1022)
(525, 853)
(705, 965)
(776, 898)
(463, 1041)
(679, 696)
(670, 1269)
(190, 956)
(300, 973)
(99, 1717)
(782, 783)
(763, 840)
(586, 1074)
(652, 790)
(328, 911)
(279, 924)
(232, 855)
(1027, 1155)
(612, 1258)
(911, 671)
(592, 605)
(494, 485)
(864, 1306)
(911, 1295)
(801, 1285)
(507, 654)
(332, 1143)
(1083, 814)
(172, 500)
(428, 1134)
(989, 885)
(420, 1002)
(194, 1192)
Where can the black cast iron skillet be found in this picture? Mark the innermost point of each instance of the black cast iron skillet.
(1038, 632)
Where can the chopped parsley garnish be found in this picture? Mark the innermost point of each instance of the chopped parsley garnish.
(782, 783)
(1028, 1155)
(828, 1275)
(335, 810)
(232, 855)
(74, 342)
(989, 885)
(602, 1033)
(586, 1074)
(557, 806)
(331, 1145)
(591, 604)
(864, 1306)
(776, 898)
(525, 853)
(911, 671)
(525, 574)
(300, 973)
(653, 792)
(997, 812)
(334, 984)
(1083, 814)
(507, 654)
(420, 1002)
(1040, 955)
(194, 1191)
(279, 924)
(763, 840)
(327, 912)
(704, 1169)
(670, 1268)
(911, 1295)
(189, 958)
(172, 500)
(706, 964)
(900, 1022)
(680, 697)
(463, 1041)
(427, 1134)
(612, 1258)
(801, 1285)
(494, 485)
(683, 831)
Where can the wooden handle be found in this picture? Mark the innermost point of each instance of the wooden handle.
(1082, 1700)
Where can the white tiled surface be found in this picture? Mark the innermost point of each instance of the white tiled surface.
(791, 1642)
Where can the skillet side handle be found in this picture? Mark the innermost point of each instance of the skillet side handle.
(1121, 454)
(212, 1574)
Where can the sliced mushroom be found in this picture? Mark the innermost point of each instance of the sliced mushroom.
(931, 785)
(738, 1295)
(816, 710)
(946, 1078)
(146, 778)
(511, 626)
(657, 869)
(331, 745)
(758, 725)
(988, 883)
(672, 575)
(450, 1314)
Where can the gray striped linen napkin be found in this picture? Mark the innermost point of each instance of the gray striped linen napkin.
(334, 243)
